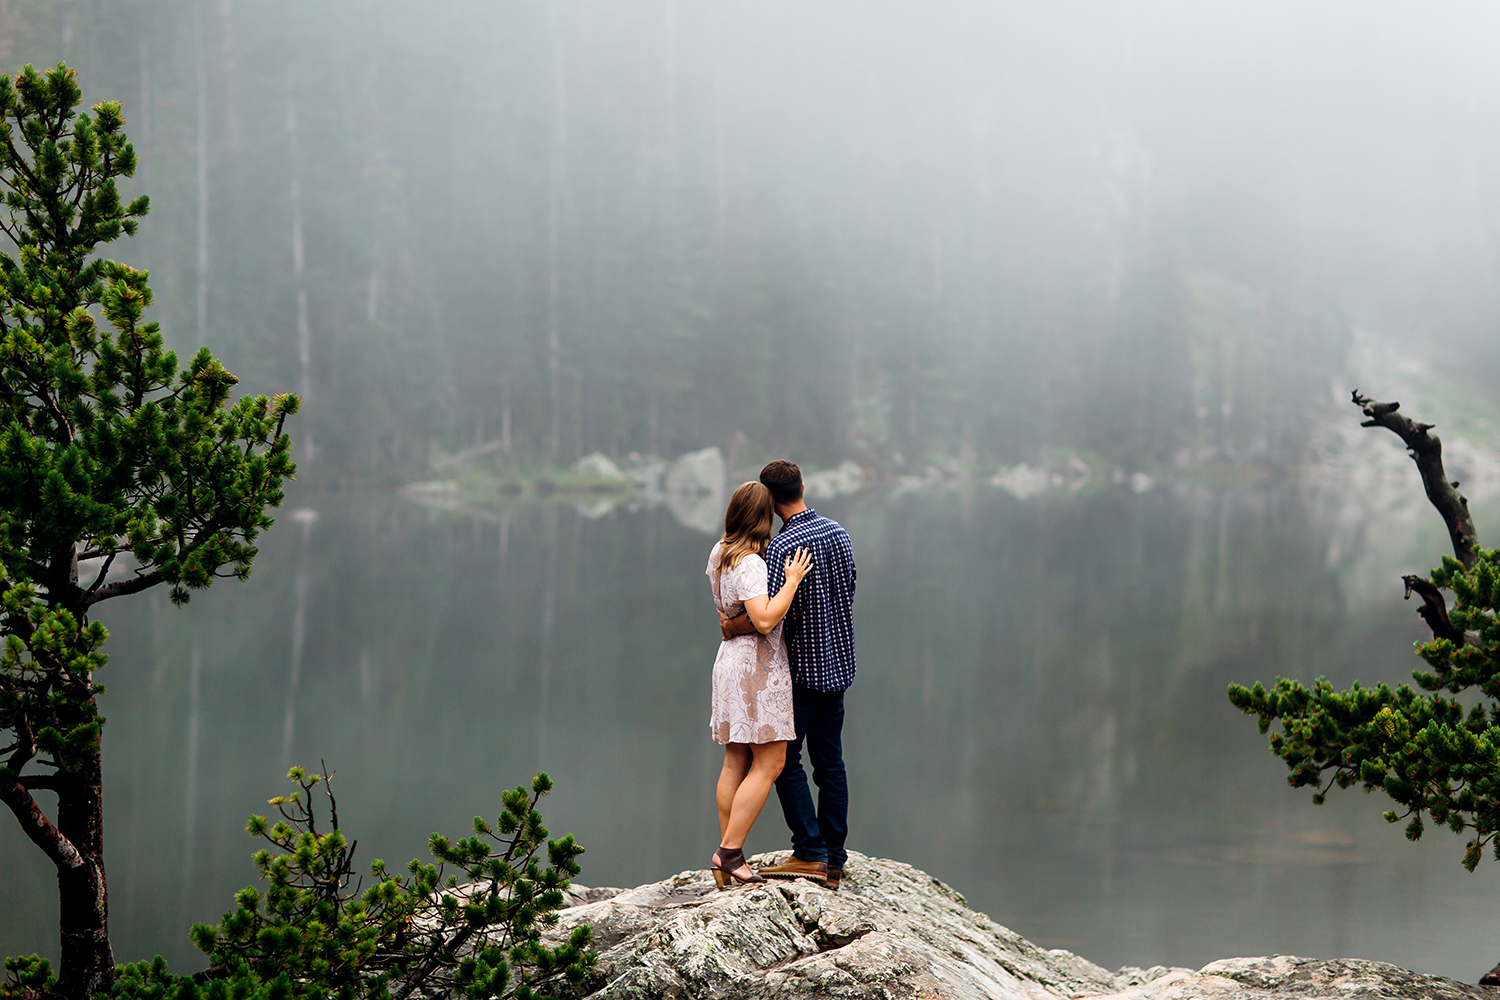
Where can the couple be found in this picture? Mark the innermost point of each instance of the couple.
(786, 613)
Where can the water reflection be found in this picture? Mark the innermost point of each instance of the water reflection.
(1039, 717)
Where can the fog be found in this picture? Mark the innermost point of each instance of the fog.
(882, 230)
(1108, 270)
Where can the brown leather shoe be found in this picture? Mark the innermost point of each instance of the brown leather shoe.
(795, 867)
(834, 877)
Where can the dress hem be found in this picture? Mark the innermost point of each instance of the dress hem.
(755, 743)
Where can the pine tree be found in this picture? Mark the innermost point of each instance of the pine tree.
(1435, 760)
(469, 927)
(111, 458)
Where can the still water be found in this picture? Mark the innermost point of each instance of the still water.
(1039, 717)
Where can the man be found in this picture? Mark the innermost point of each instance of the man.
(819, 635)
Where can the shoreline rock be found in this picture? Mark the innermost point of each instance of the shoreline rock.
(893, 932)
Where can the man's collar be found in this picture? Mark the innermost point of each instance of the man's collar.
(805, 512)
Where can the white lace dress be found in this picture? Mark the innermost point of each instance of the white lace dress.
(752, 700)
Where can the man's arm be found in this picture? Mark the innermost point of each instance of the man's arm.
(845, 556)
(738, 625)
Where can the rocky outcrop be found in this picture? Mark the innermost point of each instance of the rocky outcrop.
(599, 467)
(846, 479)
(694, 488)
(892, 932)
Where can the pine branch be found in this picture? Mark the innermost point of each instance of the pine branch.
(40, 782)
(24, 749)
(103, 572)
(1434, 609)
(19, 164)
(99, 553)
(120, 588)
(1427, 451)
(38, 827)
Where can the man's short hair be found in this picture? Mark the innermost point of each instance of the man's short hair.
(784, 480)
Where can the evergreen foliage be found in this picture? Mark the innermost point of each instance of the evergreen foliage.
(474, 932)
(1436, 760)
(108, 452)
(1422, 749)
(317, 933)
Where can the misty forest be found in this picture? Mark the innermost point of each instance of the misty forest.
(1060, 307)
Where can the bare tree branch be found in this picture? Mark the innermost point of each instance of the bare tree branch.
(120, 588)
(1427, 451)
(24, 748)
(38, 827)
(36, 782)
(103, 572)
(1434, 609)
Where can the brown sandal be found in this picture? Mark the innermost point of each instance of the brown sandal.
(726, 861)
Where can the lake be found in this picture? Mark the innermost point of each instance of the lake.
(1039, 717)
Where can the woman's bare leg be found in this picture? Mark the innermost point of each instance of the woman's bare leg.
(736, 766)
(766, 760)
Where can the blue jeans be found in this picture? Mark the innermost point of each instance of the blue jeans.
(818, 834)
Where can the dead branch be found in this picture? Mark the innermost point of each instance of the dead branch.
(1434, 609)
(1427, 451)
(440, 462)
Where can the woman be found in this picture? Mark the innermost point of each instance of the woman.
(752, 702)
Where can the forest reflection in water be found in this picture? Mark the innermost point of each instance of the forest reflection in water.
(1039, 717)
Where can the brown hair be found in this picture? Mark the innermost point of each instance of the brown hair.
(747, 525)
(784, 480)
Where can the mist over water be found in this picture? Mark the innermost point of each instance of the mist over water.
(874, 230)
(1039, 717)
(1080, 289)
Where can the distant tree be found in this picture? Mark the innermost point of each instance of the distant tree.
(110, 456)
(1421, 748)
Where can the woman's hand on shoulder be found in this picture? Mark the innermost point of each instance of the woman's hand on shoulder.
(798, 565)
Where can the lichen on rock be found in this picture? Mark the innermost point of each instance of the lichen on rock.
(893, 932)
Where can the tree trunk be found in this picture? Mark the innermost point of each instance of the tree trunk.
(229, 65)
(549, 591)
(202, 79)
(299, 279)
(556, 177)
(88, 963)
(142, 117)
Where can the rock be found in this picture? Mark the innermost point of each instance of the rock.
(598, 465)
(830, 483)
(646, 471)
(1021, 481)
(694, 487)
(697, 473)
(1283, 977)
(440, 494)
(892, 932)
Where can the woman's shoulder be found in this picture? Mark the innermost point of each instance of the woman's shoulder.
(749, 569)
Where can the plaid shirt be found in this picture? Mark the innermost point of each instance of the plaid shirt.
(820, 623)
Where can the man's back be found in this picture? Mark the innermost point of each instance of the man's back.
(820, 624)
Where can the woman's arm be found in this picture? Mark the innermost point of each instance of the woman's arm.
(766, 612)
